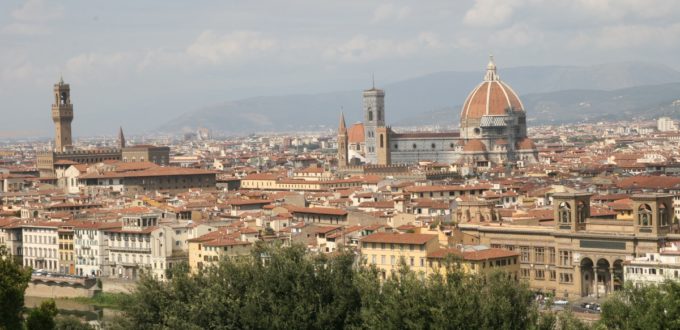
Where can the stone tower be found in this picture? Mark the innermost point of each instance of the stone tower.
(62, 115)
(571, 210)
(342, 143)
(121, 139)
(374, 117)
(383, 155)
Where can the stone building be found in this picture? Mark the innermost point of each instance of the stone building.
(492, 132)
(577, 255)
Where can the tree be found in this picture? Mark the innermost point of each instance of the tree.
(42, 317)
(647, 307)
(13, 282)
(71, 323)
(287, 288)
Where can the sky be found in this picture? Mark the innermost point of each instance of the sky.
(139, 63)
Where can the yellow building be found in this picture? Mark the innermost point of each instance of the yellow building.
(66, 260)
(422, 254)
(476, 260)
(209, 249)
(386, 250)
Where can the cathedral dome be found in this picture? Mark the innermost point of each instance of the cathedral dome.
(490, 98)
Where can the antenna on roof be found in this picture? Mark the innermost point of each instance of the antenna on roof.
(373, 79)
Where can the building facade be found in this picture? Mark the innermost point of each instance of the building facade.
(578, 256)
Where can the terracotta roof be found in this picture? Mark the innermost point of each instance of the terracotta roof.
(474, 145)
(477, 255)
(649, 182)
(318, 210)
(356, 134)
(490, 98)
(152, 172)
(526, 144)
(399, 238)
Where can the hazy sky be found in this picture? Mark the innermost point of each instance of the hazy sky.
(138, 63)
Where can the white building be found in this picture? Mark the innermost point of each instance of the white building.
(40, 245)
(90, 244)
(666, 124)
(143, 244)
(654, 268)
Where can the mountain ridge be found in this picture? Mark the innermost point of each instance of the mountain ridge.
(412, 100)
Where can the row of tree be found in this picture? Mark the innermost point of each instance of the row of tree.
(286, 288)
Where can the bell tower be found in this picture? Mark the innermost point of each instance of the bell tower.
(571, 210)
(342, 143)
(374, 117)
(62, 115)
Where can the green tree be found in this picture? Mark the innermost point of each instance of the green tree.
(71, 323)
(647, 307)
(13, 282)
(287, 288)
(42, 317)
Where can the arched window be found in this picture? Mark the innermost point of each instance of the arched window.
(382, 141)
(564, 213)
(644, 215)
(663, 215)
(370, 114)
(582, 212)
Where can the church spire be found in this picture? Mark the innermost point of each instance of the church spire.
(121, 138)
(491, 70)
(343, 127)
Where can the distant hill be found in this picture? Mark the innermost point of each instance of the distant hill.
(550, 94)
(641, 102)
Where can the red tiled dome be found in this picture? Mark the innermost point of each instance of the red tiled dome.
(491, 97)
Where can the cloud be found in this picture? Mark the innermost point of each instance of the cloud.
(490, 13)
(610, 10)
(239, 45)
(628, 37)
(390, 12)
(517, 35)
(37, 11)
(31, 19)
(25, 29)
(100, 65)
(361, 48)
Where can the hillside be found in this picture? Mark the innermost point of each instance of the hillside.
(550, 94)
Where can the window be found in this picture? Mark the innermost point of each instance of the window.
(566, 278)
(540, 274)
(551, 255)
(539, 255)
(525, 254)
(392, 260)
(382, 260)
(565, 258)
(564, 213)
(525, 273)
